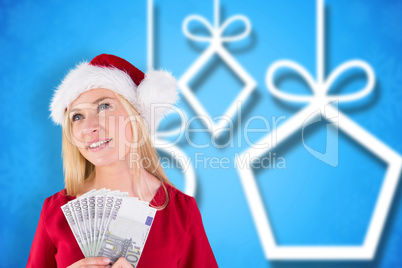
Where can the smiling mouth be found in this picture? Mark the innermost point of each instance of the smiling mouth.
(99, 143)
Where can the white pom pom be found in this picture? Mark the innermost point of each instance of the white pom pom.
(155, 96)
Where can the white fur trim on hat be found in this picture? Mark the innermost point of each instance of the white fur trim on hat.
(151, 98)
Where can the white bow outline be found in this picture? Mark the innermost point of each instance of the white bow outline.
(319, 100)
(216, 40)
(320, 89)
(216, 32)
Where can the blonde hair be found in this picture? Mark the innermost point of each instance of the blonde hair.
(77, 168)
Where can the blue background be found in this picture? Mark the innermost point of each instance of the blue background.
(309, 202)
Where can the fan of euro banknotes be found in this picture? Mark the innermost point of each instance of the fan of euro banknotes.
(110, 224)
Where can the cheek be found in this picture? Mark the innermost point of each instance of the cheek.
(77, 139)
(83, 153)
(122, 131)
(127, 130)
(124, 138)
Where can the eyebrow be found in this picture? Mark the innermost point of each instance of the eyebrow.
(94, 102)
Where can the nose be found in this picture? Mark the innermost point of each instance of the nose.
(91, 124)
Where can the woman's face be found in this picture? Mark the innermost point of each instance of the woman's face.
(101, 128)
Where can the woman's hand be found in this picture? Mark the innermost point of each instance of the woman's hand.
(93, 262)
(122, 263)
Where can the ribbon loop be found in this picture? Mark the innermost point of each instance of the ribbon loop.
(215, 32)
(233, 20)
(204, 22)
(289, 96)
(320, 90)
(358, 64)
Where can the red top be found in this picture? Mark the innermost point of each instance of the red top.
(177, 237)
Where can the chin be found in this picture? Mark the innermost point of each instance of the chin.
(99, 160)
(101, 163)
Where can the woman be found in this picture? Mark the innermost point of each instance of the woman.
(108, 110)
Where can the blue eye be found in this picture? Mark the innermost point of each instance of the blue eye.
(74, 118)
(103, 106)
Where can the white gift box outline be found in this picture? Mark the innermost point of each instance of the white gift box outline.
(216, 46)
(367, 250)
(189, 173)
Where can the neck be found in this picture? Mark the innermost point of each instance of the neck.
(119, 177)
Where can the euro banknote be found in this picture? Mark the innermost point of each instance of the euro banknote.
(110, 224)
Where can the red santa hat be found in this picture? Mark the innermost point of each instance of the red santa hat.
(152, 90)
